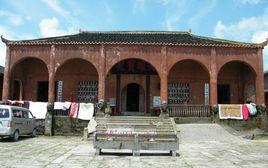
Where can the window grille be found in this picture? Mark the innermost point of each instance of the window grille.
(87, 91)
(178, 93)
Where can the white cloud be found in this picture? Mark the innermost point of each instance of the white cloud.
(175, 10)
(252, 29)
(138, 6)
(172, 22)
(57, 7)
(242, 30)
(259, 36)
(8, 35)
(164, 2)
(13, 19)
(53, 4)
(2, 54)
(201, 13)
(50, 27)
(250, 2)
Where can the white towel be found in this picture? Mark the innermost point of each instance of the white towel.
(86, 111)
(91, 127)
(62, 105)
(252, 108)
(38, 109)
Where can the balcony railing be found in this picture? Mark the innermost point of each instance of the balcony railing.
(176, 110)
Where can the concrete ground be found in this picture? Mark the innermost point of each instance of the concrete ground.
(201, 145)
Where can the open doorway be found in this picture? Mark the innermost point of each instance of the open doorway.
(224, 94)
(133, 91)
(42, 92)
(133, 100)
(16, 90)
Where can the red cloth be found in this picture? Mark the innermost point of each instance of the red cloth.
(245, 112)
(74, 110)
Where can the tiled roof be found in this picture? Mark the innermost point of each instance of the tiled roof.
(136, 37)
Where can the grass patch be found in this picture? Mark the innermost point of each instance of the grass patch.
(261, 137)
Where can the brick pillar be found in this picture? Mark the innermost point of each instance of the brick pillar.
(102, 73)
(51, 72)
(259, 83)
(213, 78)
(6, 84)
(164, 76)
(49, 130)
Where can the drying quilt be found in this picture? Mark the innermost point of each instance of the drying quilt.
(230, 111)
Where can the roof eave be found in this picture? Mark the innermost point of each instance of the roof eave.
(263, 44)
(4, 40)
(135, 43)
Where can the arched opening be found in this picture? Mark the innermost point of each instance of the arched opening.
(236, 83)
(188, 83)
(29, 80)
(131, 85)
(76, 81)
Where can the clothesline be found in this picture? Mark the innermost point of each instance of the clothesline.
(237, 111)
(83, 111)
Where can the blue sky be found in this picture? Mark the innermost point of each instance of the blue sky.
(242, 20)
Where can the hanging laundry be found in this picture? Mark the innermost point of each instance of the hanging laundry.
(230, 111)
(91, 127)
(15, 102)
(86, 111)
(245, 112)
(252, 109)
(38, 109)
(62, 105)
(74, 110)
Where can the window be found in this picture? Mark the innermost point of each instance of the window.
(4, 113)
(25, 114)
(87, 91)
(178, 93)
(30, 115)
(17, 113)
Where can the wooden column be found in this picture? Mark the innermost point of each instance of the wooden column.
(118, 96)
(148, 88)
(6, 84)
(213, 97)
(102, 73)
(164, 76)
(259, 83)
(51, 72)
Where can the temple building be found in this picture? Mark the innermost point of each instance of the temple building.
(135, 71)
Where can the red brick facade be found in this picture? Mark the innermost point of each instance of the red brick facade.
(237, 67)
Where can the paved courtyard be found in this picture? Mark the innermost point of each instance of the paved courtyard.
(201, 145)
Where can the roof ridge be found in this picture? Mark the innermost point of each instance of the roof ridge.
(135, 32)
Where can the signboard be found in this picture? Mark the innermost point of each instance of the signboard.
(206, 94)
(156, 101)
(59, 94)
(112, 101)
